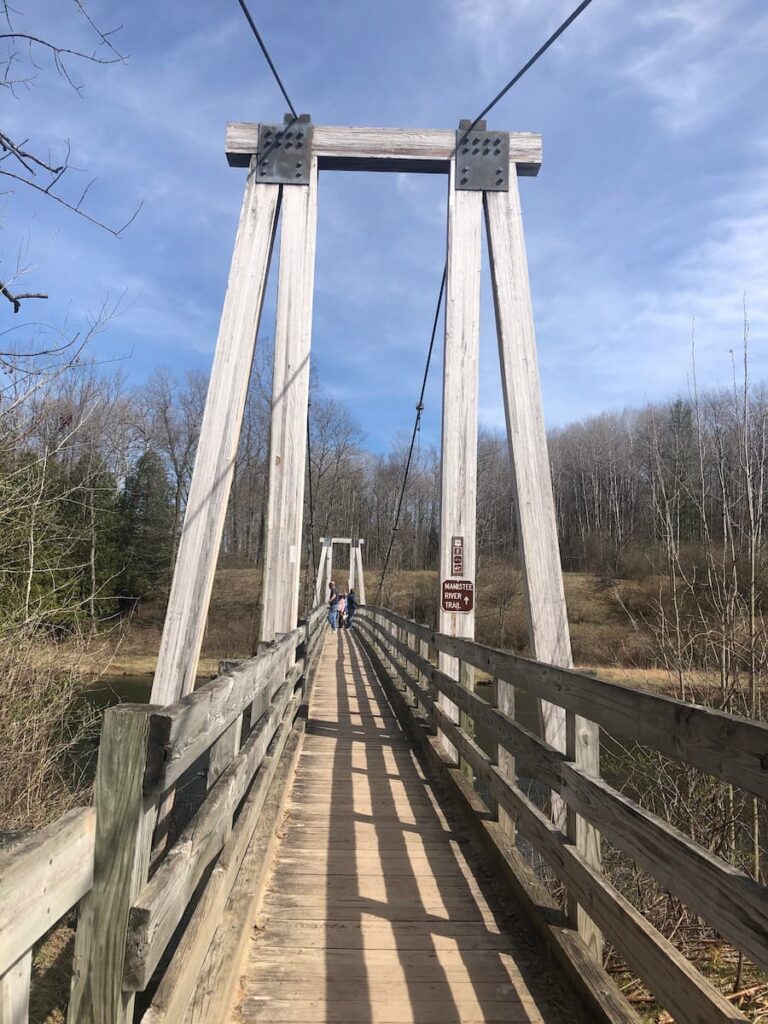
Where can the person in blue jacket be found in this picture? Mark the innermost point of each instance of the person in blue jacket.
(351, 608)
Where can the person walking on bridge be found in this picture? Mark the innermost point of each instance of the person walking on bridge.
(351, 608)
(333, 607)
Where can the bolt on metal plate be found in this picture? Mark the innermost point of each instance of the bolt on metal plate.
(285, 152)
(482, 160)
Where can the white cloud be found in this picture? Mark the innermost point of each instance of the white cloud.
(606, 340)
(690, 59)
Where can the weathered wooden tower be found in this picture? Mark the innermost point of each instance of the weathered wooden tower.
(482, 168)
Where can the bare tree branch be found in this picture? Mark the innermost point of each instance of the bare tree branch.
(37, 171)
(16, 300)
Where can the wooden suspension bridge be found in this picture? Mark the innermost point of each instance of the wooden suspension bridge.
(317, 834)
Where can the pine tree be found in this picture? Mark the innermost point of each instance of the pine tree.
(146, 529)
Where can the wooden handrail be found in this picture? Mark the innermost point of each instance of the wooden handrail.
(42, 877)
(730, 900)
(128, 919)
(732, 748)
(162, 903)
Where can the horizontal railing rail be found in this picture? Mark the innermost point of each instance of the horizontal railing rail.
(731, 748)
(42, 878)
(157, 901)
(734, 904)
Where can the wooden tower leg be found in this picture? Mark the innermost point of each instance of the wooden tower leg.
(290, 398)
(219, 436)
(352, 563)
(360, 578)
(534, 503)
(328, 568)
(459, 426)
(319, 581)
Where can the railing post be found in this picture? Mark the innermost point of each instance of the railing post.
(411, 643)
(467, 724)
(14, 991)
(125, 819)
(505, 702)
(424, 679)
(223, 751)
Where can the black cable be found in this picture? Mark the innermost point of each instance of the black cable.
(416, 424)
(527, 67)
(420, 407)
(267, 57)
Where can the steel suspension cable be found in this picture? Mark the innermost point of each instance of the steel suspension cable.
(267, 57)
(416, 425)
(420, 407)
(286, 97)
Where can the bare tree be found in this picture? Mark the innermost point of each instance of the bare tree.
(25, 55)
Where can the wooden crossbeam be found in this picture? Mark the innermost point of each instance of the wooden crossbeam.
(419, 150)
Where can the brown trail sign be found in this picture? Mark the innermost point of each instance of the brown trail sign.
(458, 596)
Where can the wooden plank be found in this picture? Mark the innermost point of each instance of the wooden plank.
(217, 448)
(14, 991)
(290, 404)
(356, 148)
(125, 820)
(161, 905)
(731, 901)
(319, 966)
(177, 986)
(673, 980)
(41, 878)
(425, 1004)
(458, 481)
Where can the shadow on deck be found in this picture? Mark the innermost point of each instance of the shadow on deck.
(377, 909)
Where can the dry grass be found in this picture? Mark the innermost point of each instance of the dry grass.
(47, 734)
(51, 975)
(601, 631)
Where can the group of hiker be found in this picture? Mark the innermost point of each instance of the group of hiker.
(341, 607)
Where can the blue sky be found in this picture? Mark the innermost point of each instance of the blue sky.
(651, 207)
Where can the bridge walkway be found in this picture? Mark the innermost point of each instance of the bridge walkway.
(376, 909)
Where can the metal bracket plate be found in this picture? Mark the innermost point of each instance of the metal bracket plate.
(482, 160)
(285, 152)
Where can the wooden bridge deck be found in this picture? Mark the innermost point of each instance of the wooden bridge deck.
(375, 909)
